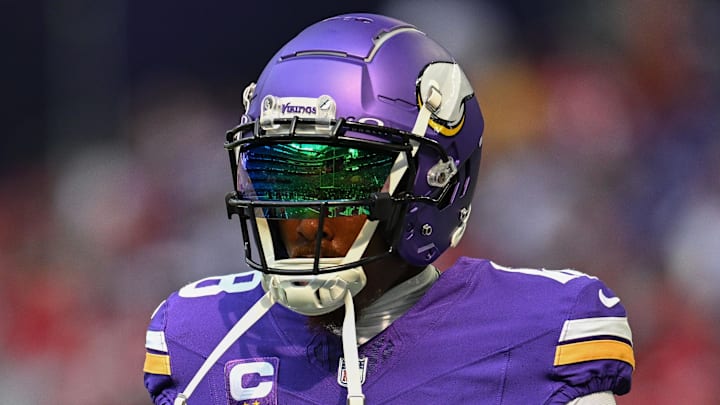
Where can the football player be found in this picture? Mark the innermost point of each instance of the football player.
(354, 167)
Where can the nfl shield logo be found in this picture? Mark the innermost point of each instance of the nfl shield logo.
(342, 371)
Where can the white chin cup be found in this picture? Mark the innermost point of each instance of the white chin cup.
(314, 294)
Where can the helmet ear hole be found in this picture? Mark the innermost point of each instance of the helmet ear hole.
(449, 198)
(467, 171)
(393, 228)
(461, 187)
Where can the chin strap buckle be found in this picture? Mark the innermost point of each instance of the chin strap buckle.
(356, 399)
(180, 400)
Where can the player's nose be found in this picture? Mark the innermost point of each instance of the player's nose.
(309, 228)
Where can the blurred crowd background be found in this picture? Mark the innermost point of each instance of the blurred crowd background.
(601, 153)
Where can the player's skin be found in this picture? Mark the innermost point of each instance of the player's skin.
(338, 235)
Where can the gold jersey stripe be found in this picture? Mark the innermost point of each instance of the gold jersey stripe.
(157, 364)
(594, 350)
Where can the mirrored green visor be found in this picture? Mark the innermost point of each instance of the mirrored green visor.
(310, 172)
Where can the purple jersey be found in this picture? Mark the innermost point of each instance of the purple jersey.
(482, 334)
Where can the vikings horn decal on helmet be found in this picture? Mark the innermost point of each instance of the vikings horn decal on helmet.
(360, 118)
(448, 119)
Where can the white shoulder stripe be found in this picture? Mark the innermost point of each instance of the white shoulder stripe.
(155, 340)
(561, 276)
(589, 327)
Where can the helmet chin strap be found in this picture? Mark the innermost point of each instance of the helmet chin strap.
(350, 352)
(312, 295)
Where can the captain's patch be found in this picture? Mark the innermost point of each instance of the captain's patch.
(252, 381)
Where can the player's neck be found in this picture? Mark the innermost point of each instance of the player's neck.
(380, 314)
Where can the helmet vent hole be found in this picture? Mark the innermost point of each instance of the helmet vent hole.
(465, 186)
(468, 177)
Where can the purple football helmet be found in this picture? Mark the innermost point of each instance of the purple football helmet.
(359, 114)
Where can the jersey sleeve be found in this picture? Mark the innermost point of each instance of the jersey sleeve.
(594, 350)
(157, 368)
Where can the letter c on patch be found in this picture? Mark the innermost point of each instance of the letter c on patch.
(239, 391)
